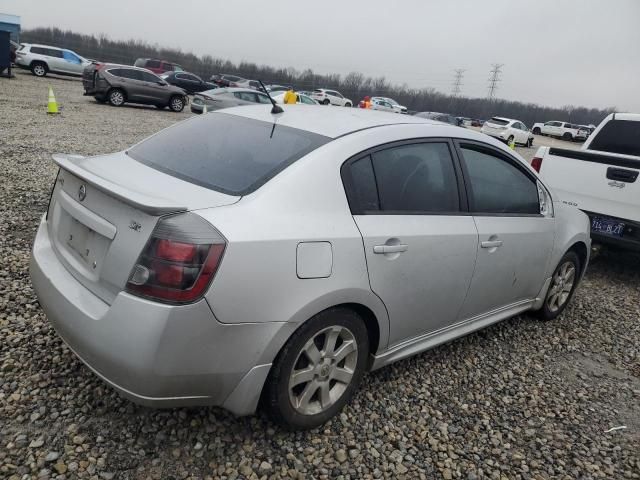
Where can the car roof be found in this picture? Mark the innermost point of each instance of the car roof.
(43, 45)
(330, 122)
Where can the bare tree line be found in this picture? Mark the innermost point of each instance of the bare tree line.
(353, 85)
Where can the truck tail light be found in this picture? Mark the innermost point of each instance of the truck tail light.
(179, 261)
(536, 163)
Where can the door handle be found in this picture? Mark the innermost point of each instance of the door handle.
(390, 248)
(491, 243)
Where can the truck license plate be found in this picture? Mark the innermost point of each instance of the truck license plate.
(607, 226)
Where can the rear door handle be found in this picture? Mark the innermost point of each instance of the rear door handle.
(491, 243)
(390, 248)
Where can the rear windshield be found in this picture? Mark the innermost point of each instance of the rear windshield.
(618, 136)
(498, 121)
(227, 153)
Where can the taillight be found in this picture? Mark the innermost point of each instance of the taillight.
(536, 163)
(179, 261)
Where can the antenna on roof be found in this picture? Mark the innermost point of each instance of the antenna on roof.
(276, 108)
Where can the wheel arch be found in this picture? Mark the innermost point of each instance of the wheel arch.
(580, 249)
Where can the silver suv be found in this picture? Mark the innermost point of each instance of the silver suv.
(43, 59)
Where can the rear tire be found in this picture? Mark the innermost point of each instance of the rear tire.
(563, 284)
(176, 103)
(510, 139)
(325, 101)
(318, 370)
(39, 69)
(348, 104)
(530, 143)
(116, 97)
(568, 137)
(536, 131)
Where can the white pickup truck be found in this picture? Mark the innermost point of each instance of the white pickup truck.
(601, 179)
(564, 130)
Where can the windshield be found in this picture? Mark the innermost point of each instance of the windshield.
(226, 153)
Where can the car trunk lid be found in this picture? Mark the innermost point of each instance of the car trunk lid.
(104, 209)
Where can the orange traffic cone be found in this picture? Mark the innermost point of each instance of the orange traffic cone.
(52, 105)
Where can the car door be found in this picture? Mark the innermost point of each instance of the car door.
(154, 88)
(522, 136)
(420, 245)
(55, 60)
(515, 238)
(73, 63)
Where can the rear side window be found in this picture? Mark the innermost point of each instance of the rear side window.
(496, 186)
(152, 64)
(130, 73)
(226, 153)
(38, 50)
(618, 136)
(417, 178)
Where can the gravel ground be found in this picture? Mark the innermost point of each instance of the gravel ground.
(522, 399)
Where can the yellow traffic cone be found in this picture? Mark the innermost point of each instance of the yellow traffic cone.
(512, 144)
(52, 105)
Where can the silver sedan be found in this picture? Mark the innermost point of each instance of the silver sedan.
(219, 98)
(243, 256)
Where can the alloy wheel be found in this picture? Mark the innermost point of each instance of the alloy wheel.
(116, 98)
(323, 370)
(561, 286)
(39, 70)
(177, 104)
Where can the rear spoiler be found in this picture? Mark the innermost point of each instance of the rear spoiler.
(146, 203)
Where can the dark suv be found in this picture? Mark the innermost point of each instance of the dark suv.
(119, 84)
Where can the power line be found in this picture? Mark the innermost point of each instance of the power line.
(457, 81)
(496, 70)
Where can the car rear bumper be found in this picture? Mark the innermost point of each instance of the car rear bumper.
(155, 354)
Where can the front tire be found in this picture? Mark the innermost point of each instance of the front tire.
(39, 69)
(176, 103)
(325, 101)
(568, 137)
(348, 104)
(116, 97)
(563, 284)
(318, 370)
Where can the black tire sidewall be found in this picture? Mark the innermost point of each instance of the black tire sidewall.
(277, 386)
(544, 313)
(36, 64)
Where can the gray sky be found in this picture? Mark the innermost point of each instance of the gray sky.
(555, 52)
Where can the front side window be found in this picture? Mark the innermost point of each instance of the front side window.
(71, 57)
(148, 77)
(497, 186)
(54, 52)
(263, 98)
(407, 179)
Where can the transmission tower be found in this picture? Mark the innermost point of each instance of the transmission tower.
(496, 70)
(457, 81)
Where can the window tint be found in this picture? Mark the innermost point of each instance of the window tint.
(363, 184)
(246, 96)
(498, 121)
(227, 153)
(416, 178)
(71, 57)
(305, 99)
(148, 77)
(152, 64)
(618, 136)
(497, 186)
(130, 73)
(262, 98)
